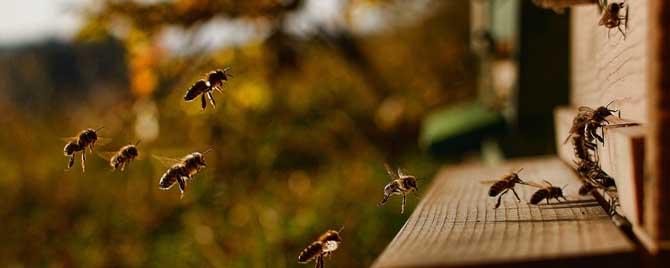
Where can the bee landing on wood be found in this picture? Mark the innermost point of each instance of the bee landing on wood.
(501, 186)
(181, 170)
(122, 157)
(204, 87)
(401, 184)
(324, 246)
(85, 138)
(546, 192)
(612, 17)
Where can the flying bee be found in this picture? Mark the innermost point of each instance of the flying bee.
(122, 157)
(324, 246)
(401, 184)
(501, 186)
(85, 138)
(181, 170)
(547, 192)
(612, 17)
(204, 87)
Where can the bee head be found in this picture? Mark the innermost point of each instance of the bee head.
(132, 151)
(198, 159)
(410, 182)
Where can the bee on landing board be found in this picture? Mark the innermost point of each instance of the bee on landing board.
(546, 192)
(181, 170)
(85, 138)
(612, 17)
(501, 186)
(122, 157)
(401, 184)
(324, 246)
(204, 87)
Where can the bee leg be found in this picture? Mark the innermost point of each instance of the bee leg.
(90, 147)
(83, 161)
(211, 99)
(547, 201)
(500, 198)
(123, 166)
(515, 194)
(319, 262)
(402, 207)
(182, 186)
(70, 162)
(203, 102)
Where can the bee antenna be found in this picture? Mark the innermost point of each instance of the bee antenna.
(519, 170)
(563, 188)
(608, 105)
(98, 129)
(208, 150)
(341, 228)
(138, 142)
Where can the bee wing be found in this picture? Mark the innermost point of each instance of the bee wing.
(402, 173)
(391, 172)
(106, 155)
(488, 181)
(102, 141)
(585, 109)
(166, 161)
(68, 139)
(534, 184)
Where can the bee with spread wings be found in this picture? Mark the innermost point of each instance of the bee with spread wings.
(85, 138)
(324, 246)
(612, 17)
(204, 87)
(547, 191)
(119, 159)
(180, 171)
(503, 185)
(401, 184)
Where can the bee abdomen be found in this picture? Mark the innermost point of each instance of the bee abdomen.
(586, 188)
(310, 252)
(497, 187)
(539, 196)
(195, 90)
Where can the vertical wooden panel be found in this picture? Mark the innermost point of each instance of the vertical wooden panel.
(657, 180)
(606, 68)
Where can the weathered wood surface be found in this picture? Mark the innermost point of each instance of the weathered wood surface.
(621, 157)
(455, 224)
(604, 69)
(657, 179)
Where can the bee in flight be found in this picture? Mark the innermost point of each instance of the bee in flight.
(612, 17)
(122, 157)
(501, 186)
(85, 138)
(325, 245)
(546, 191)
(204, 87)
(181, 170)
(401, 184)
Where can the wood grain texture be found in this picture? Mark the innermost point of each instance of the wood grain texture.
(621, 157)
(455, 224)
(657, 179)
(604, 69)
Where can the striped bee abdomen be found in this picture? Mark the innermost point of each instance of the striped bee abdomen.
(196, 89)
(497, 187)
(310, 252)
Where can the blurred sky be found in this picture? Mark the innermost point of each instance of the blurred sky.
(33, 20)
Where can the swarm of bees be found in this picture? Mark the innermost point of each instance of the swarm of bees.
(584, 135)
(612, 17)
(324, 246)
(401, 184)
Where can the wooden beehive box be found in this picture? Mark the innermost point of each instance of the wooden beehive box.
(455, 224)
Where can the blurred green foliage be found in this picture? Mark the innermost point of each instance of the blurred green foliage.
(300, 137)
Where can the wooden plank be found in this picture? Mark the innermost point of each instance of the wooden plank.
(657, 179)
(455, 224)
(621, 157)
(604, 69)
